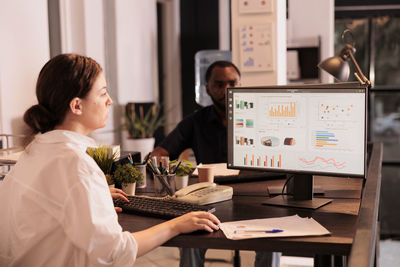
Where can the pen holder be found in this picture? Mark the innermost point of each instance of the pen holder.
(161, 162)
(164, 184)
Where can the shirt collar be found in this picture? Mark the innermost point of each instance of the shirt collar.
(82, 142)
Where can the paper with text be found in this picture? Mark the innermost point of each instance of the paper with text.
(273, 227)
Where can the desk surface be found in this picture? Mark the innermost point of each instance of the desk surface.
(339, 217)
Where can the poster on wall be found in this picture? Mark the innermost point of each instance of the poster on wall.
(256, 48)
(255, 6)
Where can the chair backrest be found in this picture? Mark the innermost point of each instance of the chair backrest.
(11, 146)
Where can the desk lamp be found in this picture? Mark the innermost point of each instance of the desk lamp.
(338, 66)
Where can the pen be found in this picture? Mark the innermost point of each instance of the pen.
(153, 168)
(161, 168)
(272, 231)
(130, 159)
(146, 158)
(176, 167)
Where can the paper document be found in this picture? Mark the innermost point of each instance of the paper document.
(219, 170)
(273, 227)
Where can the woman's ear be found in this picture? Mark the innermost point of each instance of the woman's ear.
(76, 106)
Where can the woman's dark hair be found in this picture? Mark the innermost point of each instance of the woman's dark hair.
(221, 64)
(61, 79)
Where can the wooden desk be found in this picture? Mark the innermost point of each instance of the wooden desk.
(341, 218)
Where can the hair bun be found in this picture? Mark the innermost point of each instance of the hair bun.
(39, 119)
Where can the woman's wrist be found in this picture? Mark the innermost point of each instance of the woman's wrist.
(174, 227)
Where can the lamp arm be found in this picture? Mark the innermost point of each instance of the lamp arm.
(359, 78)
(359, 74)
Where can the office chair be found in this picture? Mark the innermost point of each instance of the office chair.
(10, 149)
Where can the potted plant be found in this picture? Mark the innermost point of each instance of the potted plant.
(182, 169)
(127, 176)
(140, 122)
(104, 159)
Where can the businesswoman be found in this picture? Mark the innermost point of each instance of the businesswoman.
(55, 204)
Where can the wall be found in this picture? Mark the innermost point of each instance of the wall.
(121, 35)
(131, 70)
(24, 48)
(259, 41)
(224, 25)
(115, 35)
(82, 32)
(309, 19)
(136, 46)
(171, 63)
(199, 30)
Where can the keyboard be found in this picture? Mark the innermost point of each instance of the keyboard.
(165, 208)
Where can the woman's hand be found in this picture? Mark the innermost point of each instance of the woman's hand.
(118, 193)
(155, 236)
(193, 221)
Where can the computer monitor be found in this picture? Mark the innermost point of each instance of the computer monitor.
(301, 130)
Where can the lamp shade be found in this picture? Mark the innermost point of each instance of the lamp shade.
(337, 67)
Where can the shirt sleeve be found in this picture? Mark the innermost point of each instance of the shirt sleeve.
(90, 221)
(179, 139)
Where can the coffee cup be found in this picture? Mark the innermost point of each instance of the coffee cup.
(206, 173)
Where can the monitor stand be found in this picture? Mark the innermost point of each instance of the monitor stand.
(277, 190)
(302, 189)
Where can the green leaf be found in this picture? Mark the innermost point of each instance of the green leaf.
(185, 168)
(142, 125)
(103, 159)
(126, 173)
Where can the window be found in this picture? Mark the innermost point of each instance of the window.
(377, 44)
(386, 53)
(376, 28)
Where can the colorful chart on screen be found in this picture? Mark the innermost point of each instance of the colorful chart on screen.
(320, 131)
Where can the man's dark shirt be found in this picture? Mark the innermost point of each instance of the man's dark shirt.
(201, 131)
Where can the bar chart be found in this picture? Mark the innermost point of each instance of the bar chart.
(242, 104)
(282, 110)
(325, 139)
(253, 160)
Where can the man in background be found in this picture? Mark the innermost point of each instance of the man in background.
(204, 132)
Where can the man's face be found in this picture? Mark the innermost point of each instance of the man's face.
(221, 78)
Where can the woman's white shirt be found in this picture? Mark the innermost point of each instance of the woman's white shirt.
(57, 210)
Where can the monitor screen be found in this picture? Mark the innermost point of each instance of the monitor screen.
(318, 131)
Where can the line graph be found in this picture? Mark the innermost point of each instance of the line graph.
(331, 162)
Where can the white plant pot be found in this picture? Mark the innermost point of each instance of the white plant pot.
(142, 145)
(142, 169)
(181, 181)
(129, 189)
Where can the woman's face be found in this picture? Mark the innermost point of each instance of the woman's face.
(95, 106)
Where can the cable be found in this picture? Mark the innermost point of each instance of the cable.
(286, 182)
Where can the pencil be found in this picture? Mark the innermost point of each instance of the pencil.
(176, 167)
(130, 158)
